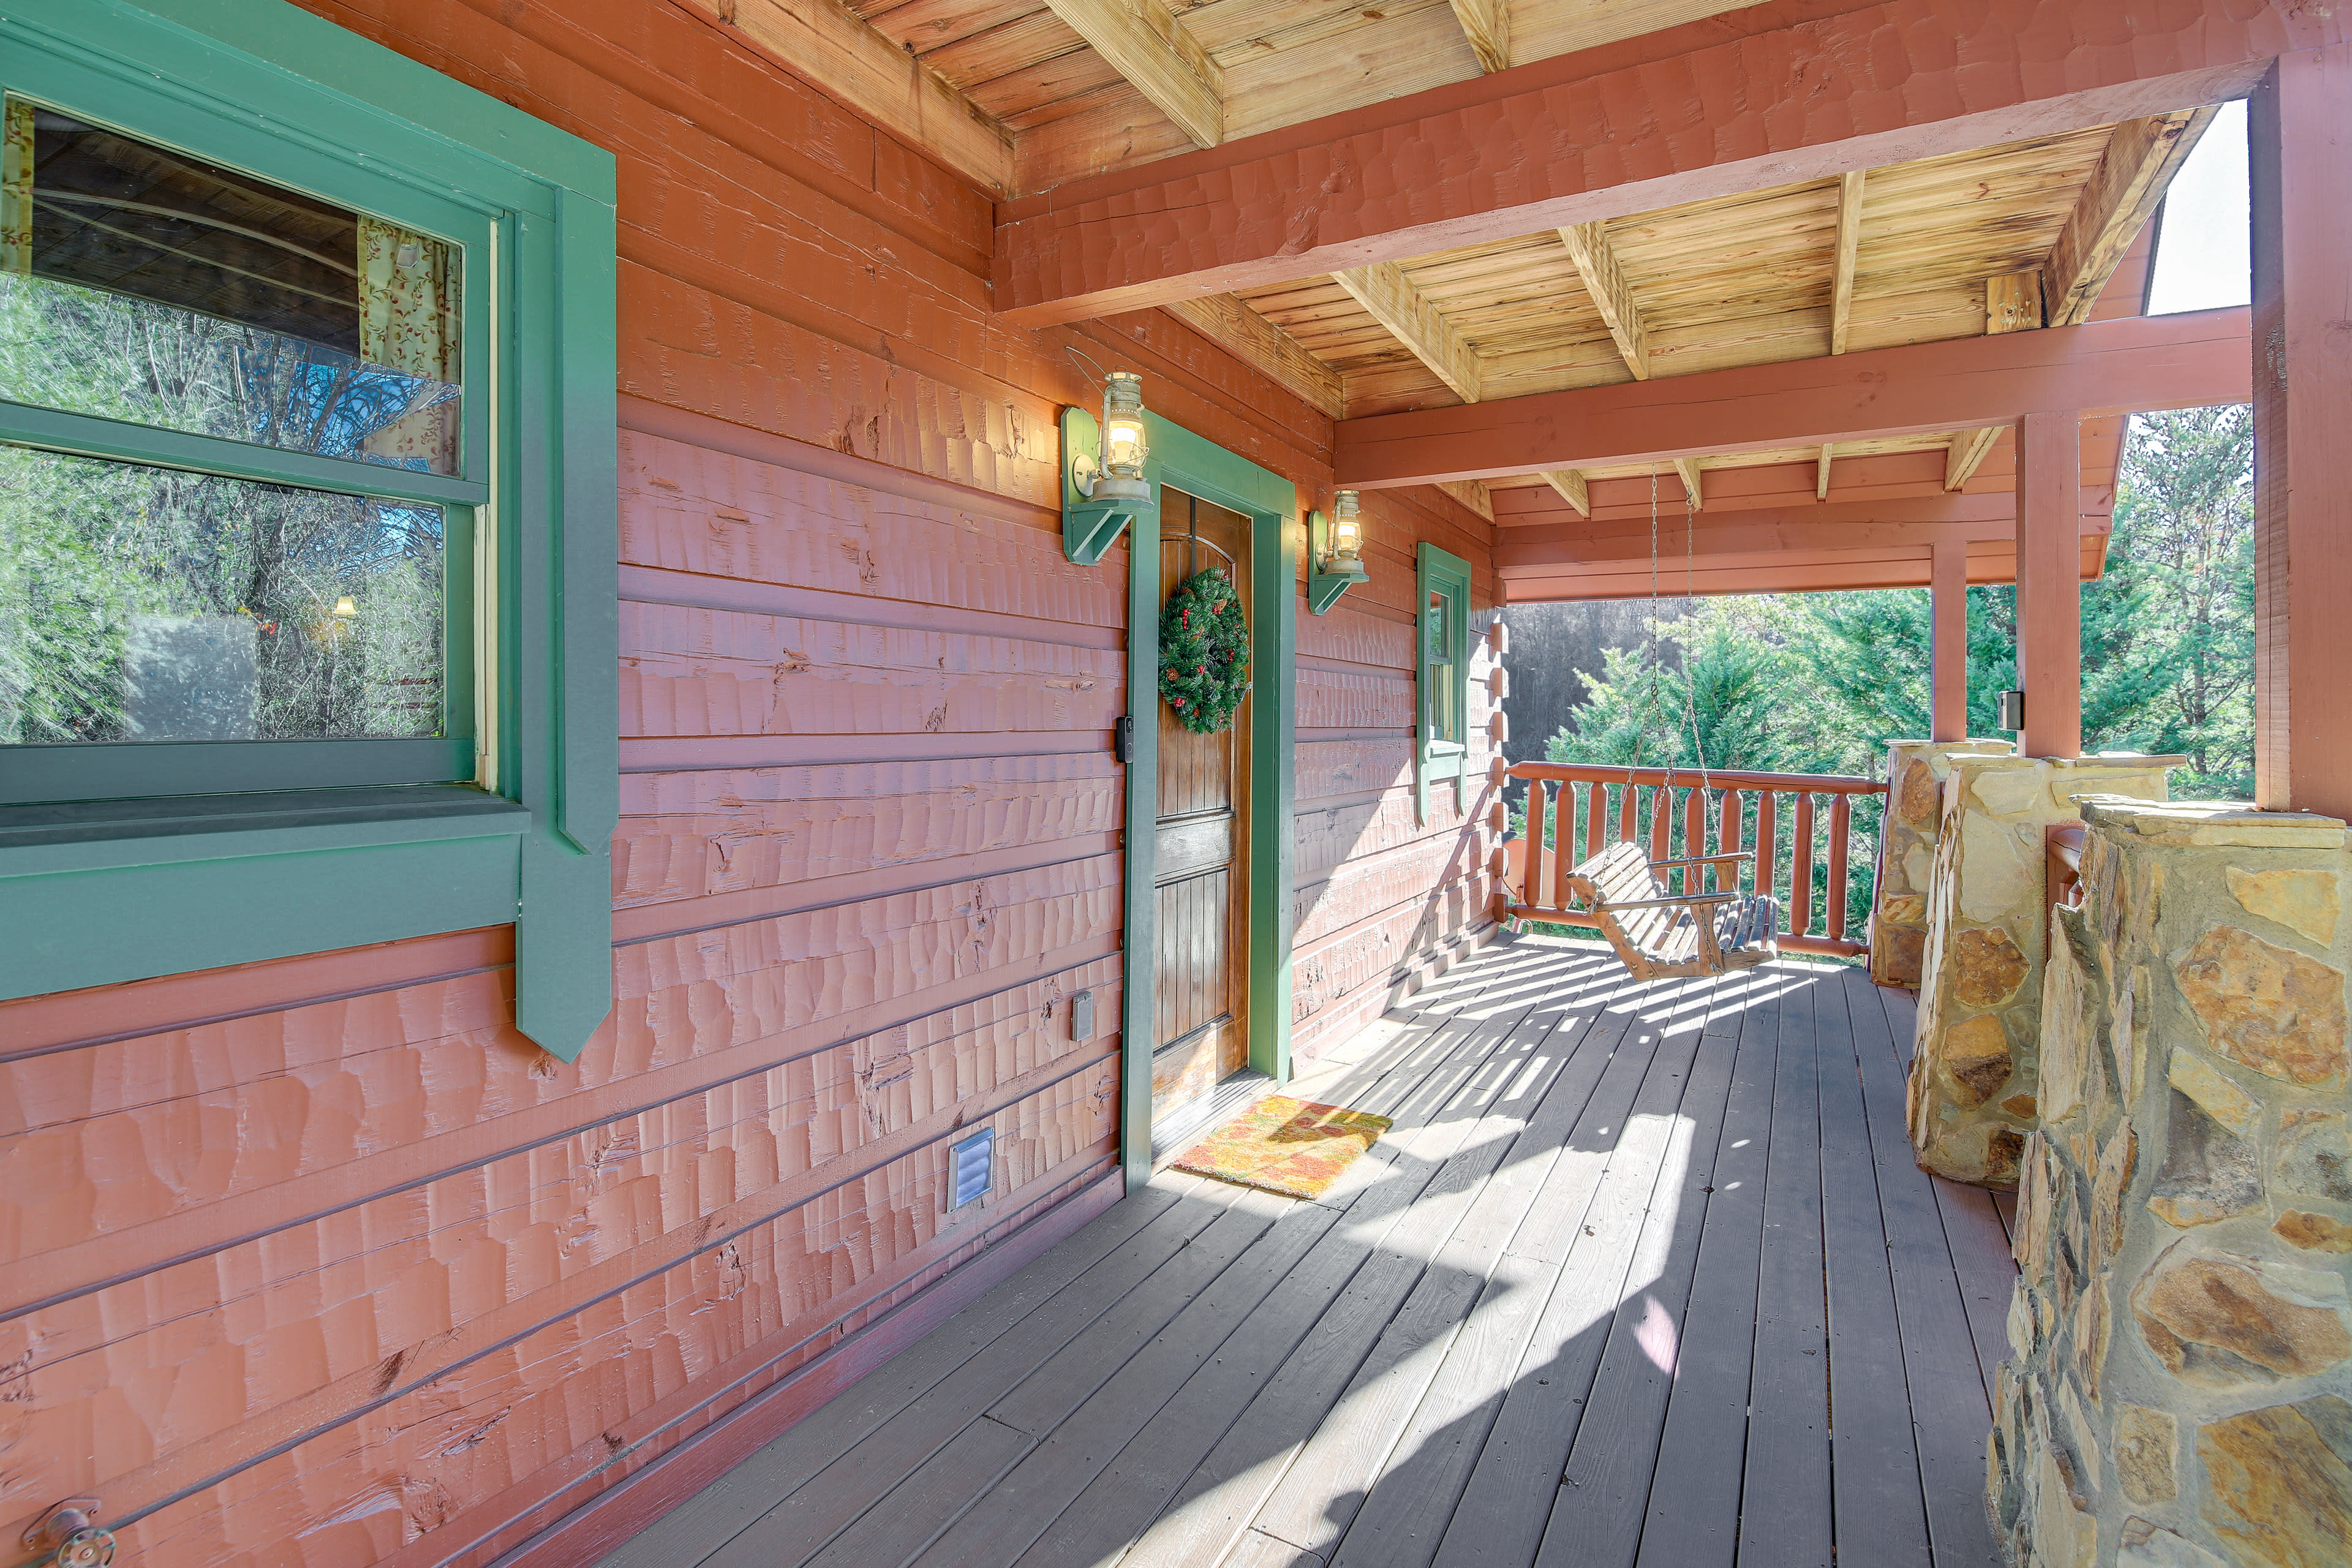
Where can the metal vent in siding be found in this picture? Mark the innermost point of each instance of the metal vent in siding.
(972, 1168)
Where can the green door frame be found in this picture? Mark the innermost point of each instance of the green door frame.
(1199, 468)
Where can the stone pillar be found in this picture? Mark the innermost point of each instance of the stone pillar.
(1915, 770)
(2178, 1393)
(1971, 1090)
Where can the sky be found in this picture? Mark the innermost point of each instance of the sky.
(2200, 256)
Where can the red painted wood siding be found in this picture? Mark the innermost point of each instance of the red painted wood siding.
(320, 1263)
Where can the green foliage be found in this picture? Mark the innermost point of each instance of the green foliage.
(90, 548)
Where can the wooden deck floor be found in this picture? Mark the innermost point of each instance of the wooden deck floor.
(1644, 1275)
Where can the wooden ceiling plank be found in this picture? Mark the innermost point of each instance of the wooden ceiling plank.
(858, 64)
(1384, 291)
(1487, 25)
(1849, 248)
(1146, 44)
(2120, 196)
(2134, 363)
(1688, 470)
(2013, 303)
(1569, 483)
(1542, 147)
(1266, 348)
(1604, 281)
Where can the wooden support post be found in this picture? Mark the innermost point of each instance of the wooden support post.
(2049, 584)
(1948, 680)
(2299, 129)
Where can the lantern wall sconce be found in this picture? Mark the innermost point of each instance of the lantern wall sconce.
(1103, 487)
(1334, 551)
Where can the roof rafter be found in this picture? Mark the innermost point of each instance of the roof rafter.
(1487, 25)
(2137, 363)
(1822, 478)
(855, 62)
(2133, 172)
(1143, 42)
(1266, 348)
(1539, 147)
(1849, 247)
(1688, 470)
(1596, 263)
(1572, 489)
(2141, 157)
(1385, 290)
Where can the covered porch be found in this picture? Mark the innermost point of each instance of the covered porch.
(1593, 1300)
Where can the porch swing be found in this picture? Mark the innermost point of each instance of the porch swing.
(1659, 934)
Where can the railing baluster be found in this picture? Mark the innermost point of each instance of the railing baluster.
(1839, 807)
(1768, 851)
(1661, 822)
(1801, 871)
(1596, 812)
(1629, 813)
(1726, 832)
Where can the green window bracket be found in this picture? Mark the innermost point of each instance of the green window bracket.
(1443, 634)
(1325, 587)
(124, 861)
(1089, 527)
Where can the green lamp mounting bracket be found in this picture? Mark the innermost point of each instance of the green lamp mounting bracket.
(1089, 527)
(1324, 588)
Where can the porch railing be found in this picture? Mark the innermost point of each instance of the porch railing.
(1792, 823)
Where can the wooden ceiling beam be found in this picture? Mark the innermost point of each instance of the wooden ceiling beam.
(1389, 296)
(1848, 523)
(2141, 157)
(1849, 248)
(1143, 42)
(1775, 571)
(1604, 281)
(1822, 479)
(2134, 364)
(859, 65)
(1487, 25)
(1266, 348)
(1757, 97)
(2013, 303)
(1572, 489)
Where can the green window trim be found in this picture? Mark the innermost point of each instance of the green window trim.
(172, 860)
(1442, 676)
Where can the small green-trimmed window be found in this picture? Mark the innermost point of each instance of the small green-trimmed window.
(1443, 680)
(306, 506)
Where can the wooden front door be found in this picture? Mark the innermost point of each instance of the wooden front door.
(1200, 1005)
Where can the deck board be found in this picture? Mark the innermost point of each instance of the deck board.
(1588, 1302)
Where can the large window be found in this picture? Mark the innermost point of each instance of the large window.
(299, 552)
(1442, 748)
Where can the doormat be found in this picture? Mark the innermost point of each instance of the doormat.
(1283, 1145)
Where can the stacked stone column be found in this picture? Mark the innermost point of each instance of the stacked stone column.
(1971, 1095)
(1915, 770)
(2180, 1388)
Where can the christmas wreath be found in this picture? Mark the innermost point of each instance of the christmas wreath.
(1204, 652)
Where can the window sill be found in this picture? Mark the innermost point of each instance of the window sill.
(97, 892)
